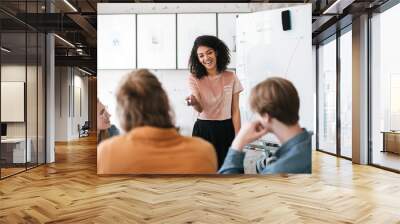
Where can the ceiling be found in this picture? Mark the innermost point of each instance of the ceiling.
(76, 20)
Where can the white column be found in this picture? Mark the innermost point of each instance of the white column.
(50, 99)
(360, 90)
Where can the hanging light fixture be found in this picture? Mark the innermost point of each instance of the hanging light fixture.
(70, 5)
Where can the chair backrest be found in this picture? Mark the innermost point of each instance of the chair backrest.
(86, 125)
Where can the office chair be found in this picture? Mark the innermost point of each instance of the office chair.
(84, 130)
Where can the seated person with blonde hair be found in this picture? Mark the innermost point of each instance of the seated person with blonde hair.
(276, 103)
(151, 145)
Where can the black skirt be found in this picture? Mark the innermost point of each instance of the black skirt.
(219, 133)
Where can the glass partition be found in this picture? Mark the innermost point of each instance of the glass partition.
(31, 98)
(346, 94)
(13, 94)
(327, 97)
(41, 109)
(22, 63)
(385, 89)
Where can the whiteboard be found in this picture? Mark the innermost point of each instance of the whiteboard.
(227, 33)
(190, 26)
(12, 101)
(116, 41)
(176, 86)
(107, 84)
(265, 50)
(156, 41)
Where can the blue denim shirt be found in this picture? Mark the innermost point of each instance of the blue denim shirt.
(294, 156)
(112, 131)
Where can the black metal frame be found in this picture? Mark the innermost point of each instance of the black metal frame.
(0, 92)
(338, 98)
(369, 90)
(317, 97)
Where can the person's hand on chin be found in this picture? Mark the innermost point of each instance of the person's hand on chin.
(247, 134)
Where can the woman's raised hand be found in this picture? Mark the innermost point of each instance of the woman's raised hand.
(192, 101)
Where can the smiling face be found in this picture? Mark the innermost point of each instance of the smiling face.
(207, 57)
(103, 117)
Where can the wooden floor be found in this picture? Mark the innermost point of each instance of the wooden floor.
(10, 171)
(387, 159)
(69, 191)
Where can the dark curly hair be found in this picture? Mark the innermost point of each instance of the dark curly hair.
(220, 48)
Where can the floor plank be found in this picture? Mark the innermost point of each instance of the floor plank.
(69, 191)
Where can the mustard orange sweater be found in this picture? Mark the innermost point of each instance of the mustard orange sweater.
(151, 150)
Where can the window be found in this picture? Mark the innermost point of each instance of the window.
(327, 97)
(346, 94)
(385, 89)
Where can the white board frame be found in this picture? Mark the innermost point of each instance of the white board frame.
(227, 33)
(116, 41)
(190, 26)
(156, 41)
(12, 101)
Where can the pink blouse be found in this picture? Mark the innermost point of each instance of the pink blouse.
(215, 94)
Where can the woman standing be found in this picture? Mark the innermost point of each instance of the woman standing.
(214, 94)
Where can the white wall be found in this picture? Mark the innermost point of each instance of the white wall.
(68, 81)
(61, 103)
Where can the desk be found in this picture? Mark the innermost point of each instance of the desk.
(255, 151)
(13, 150)
(391, 141)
